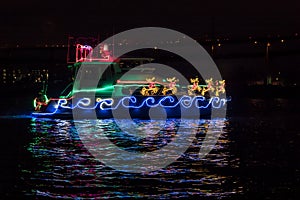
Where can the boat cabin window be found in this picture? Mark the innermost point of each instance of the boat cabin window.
(93, 73)
(116, 69)
(89, 75)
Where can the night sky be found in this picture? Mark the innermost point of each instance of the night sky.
(40, 22)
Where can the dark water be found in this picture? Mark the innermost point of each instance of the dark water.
(256, 157)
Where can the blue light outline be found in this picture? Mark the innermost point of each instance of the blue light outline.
(185, 101)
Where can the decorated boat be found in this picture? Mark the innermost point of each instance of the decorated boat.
(103, 88)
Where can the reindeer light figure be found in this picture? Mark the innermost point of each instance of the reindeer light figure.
(195, 87)
(220, 87)
(171, 88)
(209, 87)
(151, 89)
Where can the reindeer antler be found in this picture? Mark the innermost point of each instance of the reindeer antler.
(172, 79)
(194, 80)
(209, 80)
(150, 79)
(222, 82)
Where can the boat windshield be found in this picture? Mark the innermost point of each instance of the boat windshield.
(67, 91)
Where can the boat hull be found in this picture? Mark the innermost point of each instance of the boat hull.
(150, 107)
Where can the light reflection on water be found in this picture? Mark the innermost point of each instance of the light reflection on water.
(63, 167)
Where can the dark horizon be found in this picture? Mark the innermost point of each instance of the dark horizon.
(34, 22)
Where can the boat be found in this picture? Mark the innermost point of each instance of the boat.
(137, 95)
